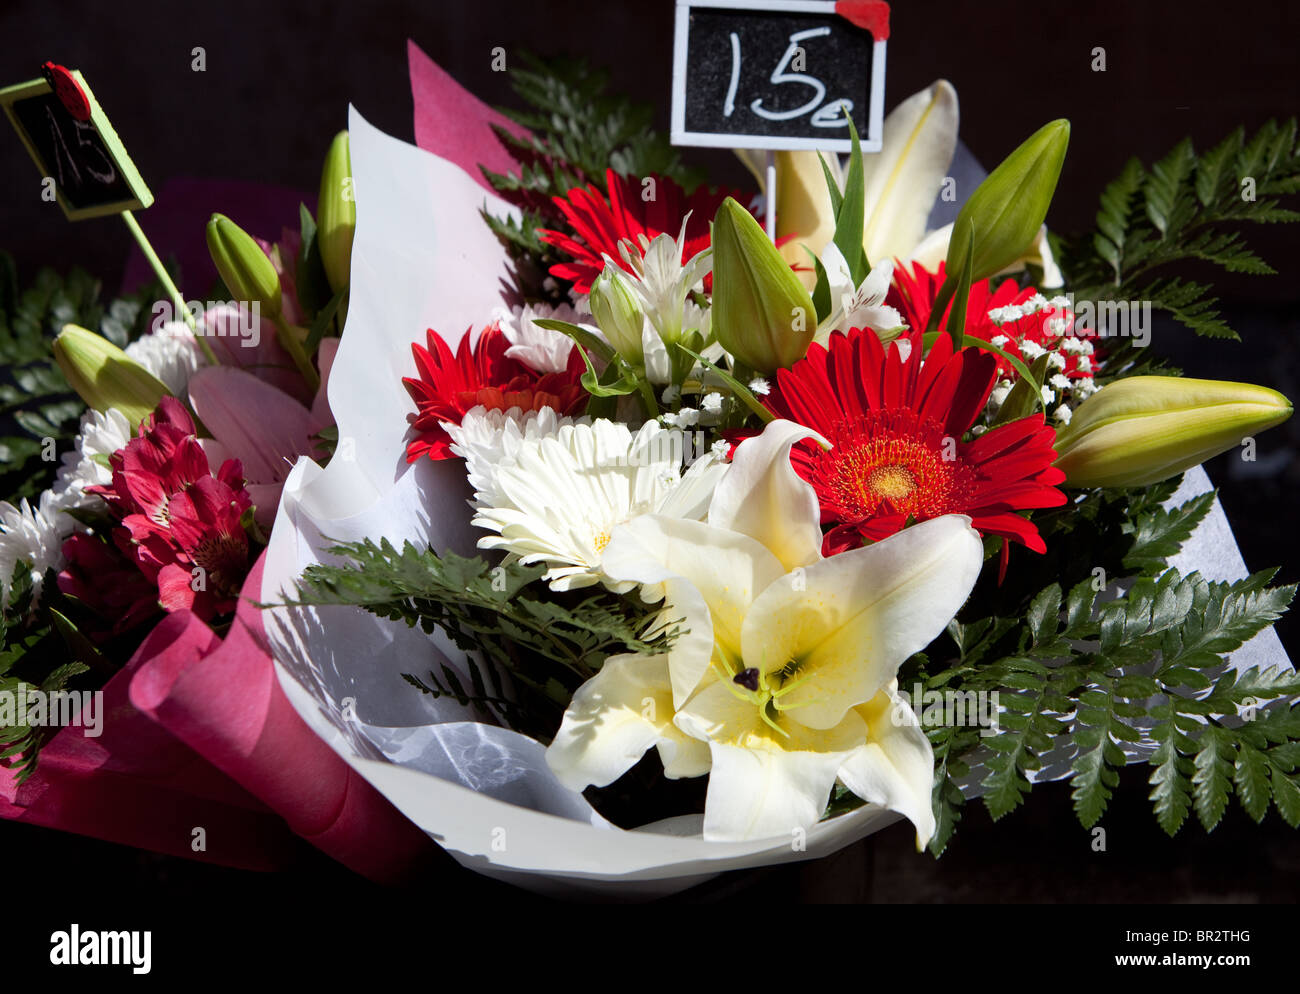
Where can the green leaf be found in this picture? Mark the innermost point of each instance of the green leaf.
(957, 316)
(1161, 533)
(851, 213)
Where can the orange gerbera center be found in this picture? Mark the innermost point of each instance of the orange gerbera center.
(893, 460)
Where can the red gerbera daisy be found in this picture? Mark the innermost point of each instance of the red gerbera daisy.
(1047, 327)
(896, 426)
(601, 224)
(450, 385)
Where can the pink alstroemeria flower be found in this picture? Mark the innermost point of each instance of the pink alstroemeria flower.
(261, 425)
(182, 523)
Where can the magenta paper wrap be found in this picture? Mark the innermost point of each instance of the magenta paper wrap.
(454, 124)
(228, 707)
(137, 784)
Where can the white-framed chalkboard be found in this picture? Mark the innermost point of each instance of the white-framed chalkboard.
(775, 74)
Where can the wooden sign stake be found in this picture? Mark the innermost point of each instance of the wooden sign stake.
(770, 186)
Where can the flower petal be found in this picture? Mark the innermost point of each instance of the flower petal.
(895, 767)
(762, 496)
(614, 718)
(848, 622)
(763, 783)
(920, 137)
(707, 577)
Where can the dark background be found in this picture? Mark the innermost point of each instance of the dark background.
(278, 80)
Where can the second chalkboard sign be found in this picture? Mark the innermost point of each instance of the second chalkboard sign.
(780, 74)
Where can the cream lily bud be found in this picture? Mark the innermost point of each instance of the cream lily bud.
(617, 312)
(1144, 429)
(762, 314)
(104, 376)
(243, 266)
(1008, 208)
(337, 213)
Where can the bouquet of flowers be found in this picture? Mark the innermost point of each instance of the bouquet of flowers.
(632, 545)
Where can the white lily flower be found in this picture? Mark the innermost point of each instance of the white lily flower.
(662, 282)
(559, 496)
(857, 306)
(785, 662)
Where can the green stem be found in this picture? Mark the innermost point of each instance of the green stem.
(178, 301)
(289, 341)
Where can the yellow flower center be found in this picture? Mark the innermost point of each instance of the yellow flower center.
(892, 482)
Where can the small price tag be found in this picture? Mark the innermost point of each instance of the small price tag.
(780, 74)
(74, 146)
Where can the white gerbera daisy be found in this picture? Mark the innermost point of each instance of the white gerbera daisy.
(559, 497)
(485, 439)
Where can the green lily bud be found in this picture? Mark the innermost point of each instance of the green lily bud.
(244, 267)
(618, 313)
(337, 213)
(104, 376)
(1144, 429)
(1008, 208)
(762, 314)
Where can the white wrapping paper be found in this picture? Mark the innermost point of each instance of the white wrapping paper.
(423, 257)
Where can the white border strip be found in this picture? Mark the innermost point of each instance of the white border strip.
(871, 142)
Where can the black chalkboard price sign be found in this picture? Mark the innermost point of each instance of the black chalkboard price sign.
(779, 74)
(73, 145)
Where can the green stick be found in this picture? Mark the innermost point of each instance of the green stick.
(161, 272)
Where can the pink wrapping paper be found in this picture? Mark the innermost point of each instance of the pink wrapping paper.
(229, 708)
(138, 785)
(454, 124)
(197, 732)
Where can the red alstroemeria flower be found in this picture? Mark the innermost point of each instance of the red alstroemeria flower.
(896, 426)
(914, 291)
(98, 574)
(602, 224)
(450, 385)
(180, 523)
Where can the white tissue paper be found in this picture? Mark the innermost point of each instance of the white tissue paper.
(422, 257)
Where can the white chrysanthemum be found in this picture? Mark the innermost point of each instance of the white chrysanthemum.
(87, 464)
(33, 535)
(559, 497)
(539, 348)
(170, 353)
(485, 439)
